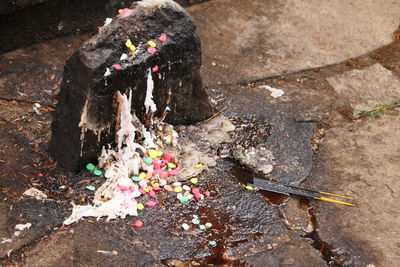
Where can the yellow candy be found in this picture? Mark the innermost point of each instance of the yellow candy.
(171, 165)
(142, 175)
(194, 180)
(151, 44)
(208, 224)
(155, 184)
(129, 44)
(198, 166)
(140, 206)
(249, 187)
(152, 154)
(147, 189)
(159, 154)
(178, 189)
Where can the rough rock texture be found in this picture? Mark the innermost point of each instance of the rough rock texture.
(257, 39)
(367, 87)
(361, 160)
(86, 97)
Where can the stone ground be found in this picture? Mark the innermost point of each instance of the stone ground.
(330, 58)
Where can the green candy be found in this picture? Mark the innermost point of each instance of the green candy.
(148, 160)
(168, 141)
(184, 200)
(97, 172)
(90, 187)
(195, 221)
(136, 178)
(212, 243)
(90, 167)
(202, 227)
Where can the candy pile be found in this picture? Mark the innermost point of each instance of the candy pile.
(136, 166)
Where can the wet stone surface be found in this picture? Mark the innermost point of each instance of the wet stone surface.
(248, 231)
(34, 74)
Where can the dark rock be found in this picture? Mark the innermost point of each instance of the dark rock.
(86, 96)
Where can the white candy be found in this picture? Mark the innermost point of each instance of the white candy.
(123, 57)
(185, 226)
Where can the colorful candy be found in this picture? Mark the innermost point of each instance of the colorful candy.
(117, 67)
(162, 38)
(151, 50)
(89, 167)
(150, 203)
(138, 224)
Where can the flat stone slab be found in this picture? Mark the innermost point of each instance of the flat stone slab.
(361, 160)
(247, 40)
(16, 159)
(43, 217)
(34, 73)
(248, 231)
(283, 125)
(373, 85)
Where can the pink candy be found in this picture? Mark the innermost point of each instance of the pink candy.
(150, 203)
(142, 192)
(156, 188)
(40, 174)
(167, 156)
(172, 172)
(207, 193)
(152, 194)
(155, 68)
(197, 196)
(155, 172)
(138, 224)
(125, 12)
(151, 50)
(162, 38)
(117, 67)
(156, 164)
(163, 175)
(195, 191)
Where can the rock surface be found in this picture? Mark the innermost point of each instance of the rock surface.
(361, 160)
(84, 117)
(367, 87)
(256, 238)
(259, 39)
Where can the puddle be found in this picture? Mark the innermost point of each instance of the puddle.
(245, 176)
(274, 198)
